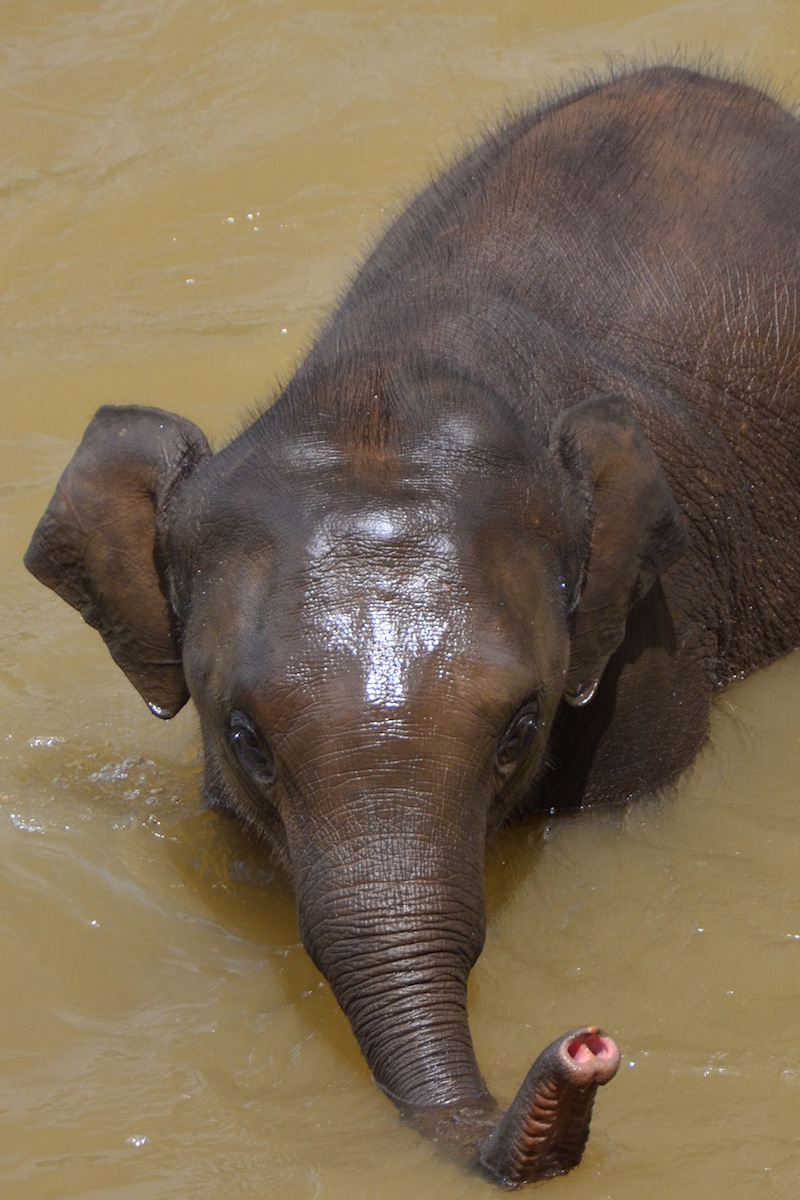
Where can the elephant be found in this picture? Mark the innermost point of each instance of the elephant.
(530, 499)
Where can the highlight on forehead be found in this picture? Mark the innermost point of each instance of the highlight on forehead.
(389, 622)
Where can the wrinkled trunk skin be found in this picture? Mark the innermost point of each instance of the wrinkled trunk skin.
(397, 951)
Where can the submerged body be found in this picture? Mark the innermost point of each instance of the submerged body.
(531, 497)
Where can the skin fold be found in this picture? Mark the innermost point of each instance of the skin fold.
(532, 496)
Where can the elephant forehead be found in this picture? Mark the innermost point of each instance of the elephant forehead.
(388, 592)
(374, 526)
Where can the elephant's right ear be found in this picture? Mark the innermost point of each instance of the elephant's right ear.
(637, 528)
(97, 545)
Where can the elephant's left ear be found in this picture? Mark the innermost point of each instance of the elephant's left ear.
(637, 529)
(97, 544)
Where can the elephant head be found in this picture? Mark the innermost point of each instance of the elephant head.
(377, 606)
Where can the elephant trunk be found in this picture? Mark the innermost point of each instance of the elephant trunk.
(397, 952)
(397, 955)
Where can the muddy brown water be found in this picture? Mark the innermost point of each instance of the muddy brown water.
(184, 188)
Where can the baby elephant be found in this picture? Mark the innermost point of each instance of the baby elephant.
(531, 497)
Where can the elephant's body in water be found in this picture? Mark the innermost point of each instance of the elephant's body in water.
(532, 496)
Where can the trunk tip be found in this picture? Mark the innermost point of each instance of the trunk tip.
(590, 1054)
(544, 1131)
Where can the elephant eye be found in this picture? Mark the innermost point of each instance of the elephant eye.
(519, 733)
(251, 749)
